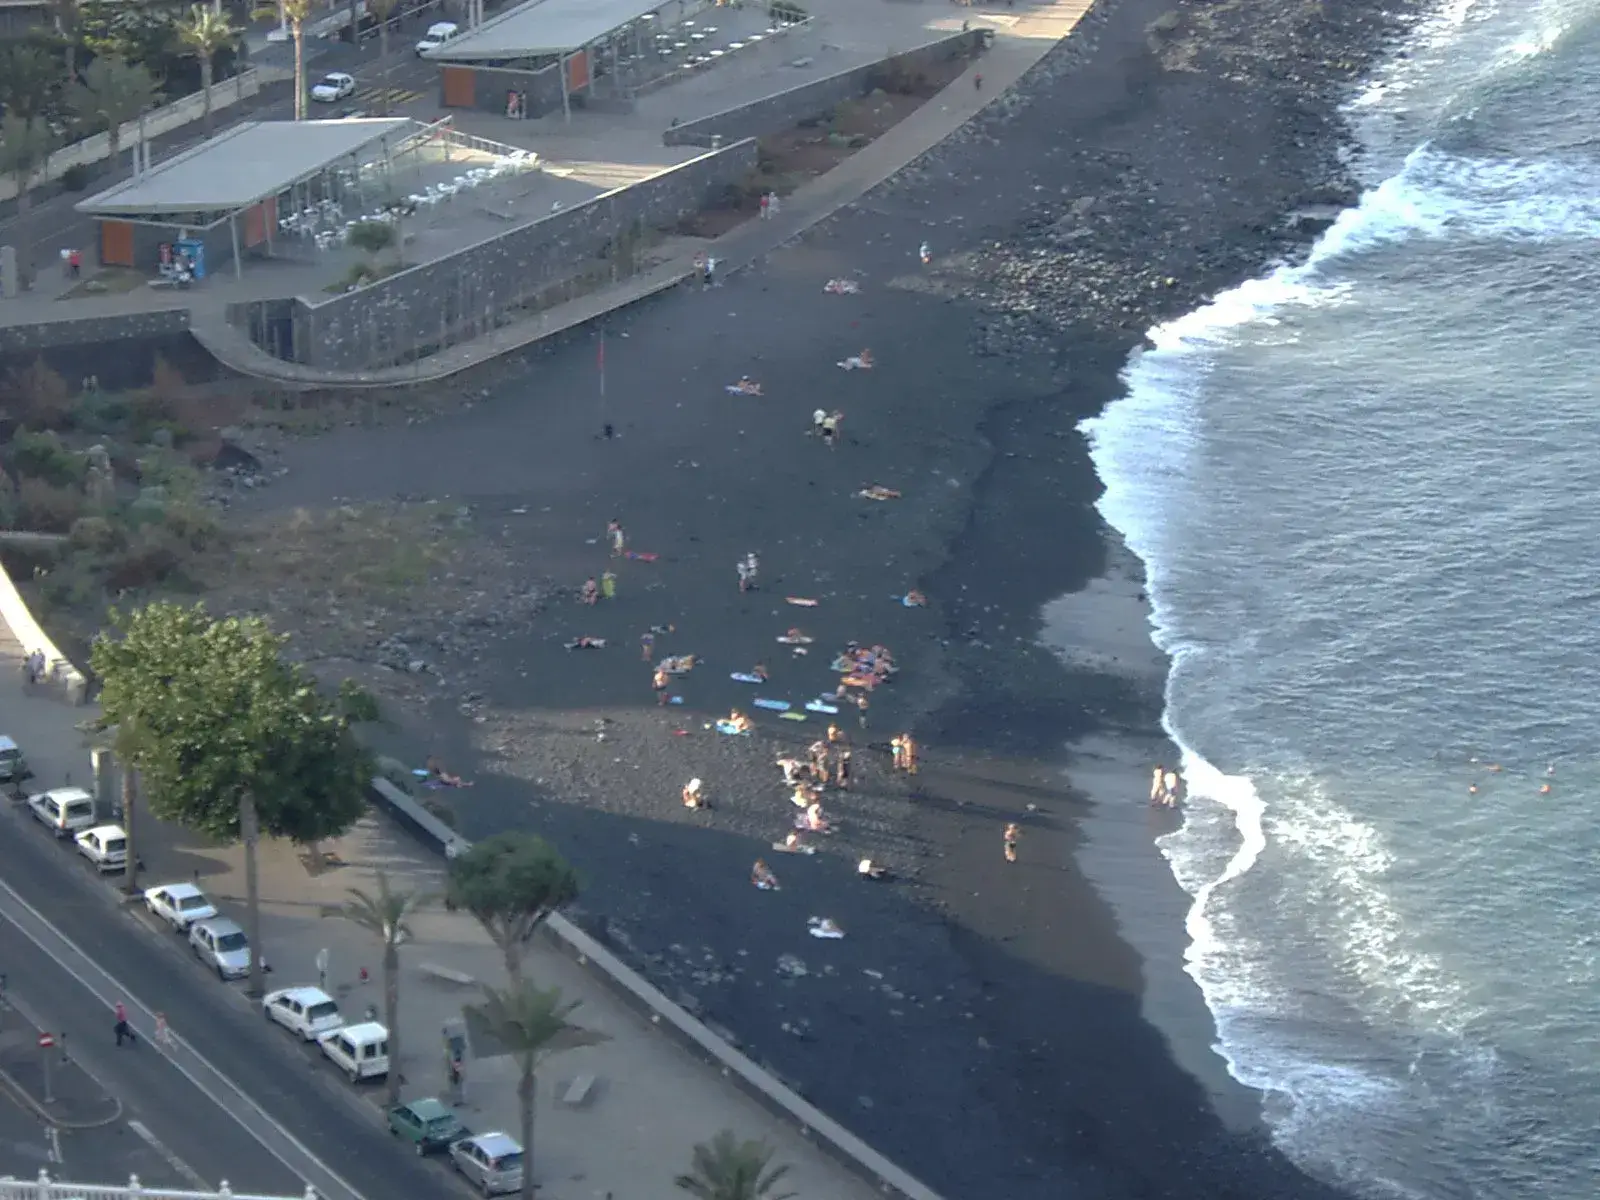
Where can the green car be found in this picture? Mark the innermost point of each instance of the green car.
(427, 1124)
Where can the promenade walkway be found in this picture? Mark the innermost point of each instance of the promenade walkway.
(650, 1101)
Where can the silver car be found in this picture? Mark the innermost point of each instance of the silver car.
(492, 1161)
(222, 946)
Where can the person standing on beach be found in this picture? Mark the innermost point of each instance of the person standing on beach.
(647, 646)
(616, 537)
(1012, 835)
(841, 768)
(608, 585)
(1169, 795)
(1157, 784)
(925, 253)
(818, 420)
(861, 707)
(661, 681)
(830, 429)
(748, 568)
(591, 591)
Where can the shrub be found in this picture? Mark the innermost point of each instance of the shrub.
(191, 525)
(45, 508)
(42, 456)
(374, 237)
(166, 381)
(39, 396)
(151, 555)
(75, 178)
(95, 534)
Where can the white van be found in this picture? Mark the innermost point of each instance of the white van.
(438, 34)
(64, 811)
(106, 846)
(360, 1051)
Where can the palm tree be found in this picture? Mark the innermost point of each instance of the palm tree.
(383, 10)
(531, 1023)
(296, 13)
(67, 16)
(25, 146)
(207, 32)
(387, 916)
(727, 1169)
(113, 92)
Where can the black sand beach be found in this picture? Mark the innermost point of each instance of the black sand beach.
(982, 1023)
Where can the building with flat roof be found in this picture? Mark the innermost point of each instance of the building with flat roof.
(543, 55)
(227, 193)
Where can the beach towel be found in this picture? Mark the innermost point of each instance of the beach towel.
(824, 927)
(745, 387)
(792, 716)
(860, 681)
(674, 699)
(908, 602)
(817, 706)
(742, 677)
(802, 601)
(774, 705)
(841, 287)
(727, 727)
(641, 556)
(790, 639)
(878, 492)
(785, 848)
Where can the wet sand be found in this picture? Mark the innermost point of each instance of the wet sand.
(984, 1023)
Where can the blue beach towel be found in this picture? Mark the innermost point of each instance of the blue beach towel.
(773, 705)
(727, 728)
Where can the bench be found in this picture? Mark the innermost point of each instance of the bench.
(448, 974)
(578, 1091)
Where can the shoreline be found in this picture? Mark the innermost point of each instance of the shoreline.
(988, 1027)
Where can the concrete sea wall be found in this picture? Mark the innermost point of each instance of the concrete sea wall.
(429, 305)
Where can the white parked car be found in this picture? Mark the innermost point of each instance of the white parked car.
(66, 812)
(106, 846)
(222, 946)
(333, 87)
(360, 1051)
(306, 1011)
(179, 905)
(438, 34)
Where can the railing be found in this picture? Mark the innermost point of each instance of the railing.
(44, 1188)
(156, 122)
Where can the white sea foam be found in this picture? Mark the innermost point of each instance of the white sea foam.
(1148, 448)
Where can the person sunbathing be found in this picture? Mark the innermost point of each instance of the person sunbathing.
(694, 795)
(587, 643)
(803, 796)
(868, 869)
(590, 593)
(438, 775)
(915, 599)
(760, 672)
(790, 768)
(761, 875)
(813, 820)
(739, 722)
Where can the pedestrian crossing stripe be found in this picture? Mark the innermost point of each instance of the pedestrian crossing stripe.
(378, 95)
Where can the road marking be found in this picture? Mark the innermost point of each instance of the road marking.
(211, 1082)
(55, 1145)
(173, 1161)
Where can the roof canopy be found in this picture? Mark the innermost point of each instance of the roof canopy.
(240, 167)
(543, 27)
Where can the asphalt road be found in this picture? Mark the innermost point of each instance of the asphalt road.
(165, 1119)
(285, 1104)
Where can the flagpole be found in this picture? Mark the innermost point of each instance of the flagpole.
(602, 358)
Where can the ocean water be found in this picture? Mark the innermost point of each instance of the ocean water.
(1366, 492)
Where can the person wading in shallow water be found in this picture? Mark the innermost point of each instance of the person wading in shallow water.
(1011, 835)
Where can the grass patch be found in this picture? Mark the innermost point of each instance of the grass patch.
(112, 281)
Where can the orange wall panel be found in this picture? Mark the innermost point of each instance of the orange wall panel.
(116, 243)
(460, 87)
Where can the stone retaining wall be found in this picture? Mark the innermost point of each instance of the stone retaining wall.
(772, 114)
(37, 336)
(470, 292)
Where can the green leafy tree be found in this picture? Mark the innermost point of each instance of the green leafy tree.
(206, 32)
(28, 77)
(296, 13)
(511, 883)
(386, 915)
(113, 92)
(233, 741)
(726, 1168)
(531, 1023)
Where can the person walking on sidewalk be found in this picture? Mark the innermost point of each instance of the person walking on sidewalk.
(121, 1028)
